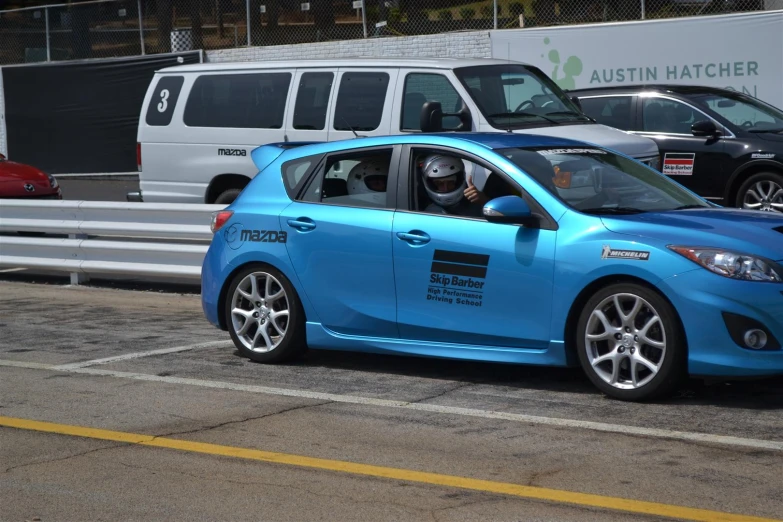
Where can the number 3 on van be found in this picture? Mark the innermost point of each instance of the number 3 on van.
(164, 96)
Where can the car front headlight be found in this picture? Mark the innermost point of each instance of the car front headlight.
(733, 265)
(52, 181)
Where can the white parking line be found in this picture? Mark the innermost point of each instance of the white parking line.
(137, 355)
(704, 438)
(12, 270)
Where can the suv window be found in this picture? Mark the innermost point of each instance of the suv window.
(242, 101)
(424, 87)
(669, 116)
(613, 111)
(358, 179)
(312, 100)
(360, 101)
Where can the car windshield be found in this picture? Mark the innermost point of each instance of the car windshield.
(743, 111)
(518, 96)
(597, 181)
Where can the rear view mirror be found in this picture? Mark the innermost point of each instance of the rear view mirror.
(704, 128)
(725, 104)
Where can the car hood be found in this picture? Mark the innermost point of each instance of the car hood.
(12, 171)
(748, 231)
(609, 137)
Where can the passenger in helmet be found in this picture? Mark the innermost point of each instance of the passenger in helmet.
(367, 181)
(448, 188)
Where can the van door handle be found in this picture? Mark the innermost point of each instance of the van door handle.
(414, 237)
(303, 223)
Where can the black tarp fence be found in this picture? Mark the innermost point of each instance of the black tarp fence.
(80, 117)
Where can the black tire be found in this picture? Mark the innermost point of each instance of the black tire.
(767, 179)
(293, 343)
(228, 196)
(671, 363)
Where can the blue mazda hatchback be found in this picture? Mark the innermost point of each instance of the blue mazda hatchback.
(496, 247)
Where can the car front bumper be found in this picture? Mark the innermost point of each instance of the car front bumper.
(716, 311)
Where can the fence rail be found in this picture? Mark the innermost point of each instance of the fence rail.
(137, 239)
(114, 28)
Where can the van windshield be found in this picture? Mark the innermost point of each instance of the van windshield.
(516, 96)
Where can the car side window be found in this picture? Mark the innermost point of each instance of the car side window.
(668, 116)
(312, 100)
(358, 179)
(294, 173)
(360, 101)
(448, 183)
(612, 111)
(424, 87)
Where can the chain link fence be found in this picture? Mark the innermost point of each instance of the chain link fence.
(112, 28)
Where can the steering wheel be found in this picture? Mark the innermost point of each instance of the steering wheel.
(521, 105)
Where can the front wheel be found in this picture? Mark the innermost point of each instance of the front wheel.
(265, 318)
(630, 343)
(762, 191)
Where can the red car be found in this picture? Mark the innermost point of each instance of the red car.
(23, 181)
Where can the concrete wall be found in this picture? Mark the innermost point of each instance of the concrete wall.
(473, 44)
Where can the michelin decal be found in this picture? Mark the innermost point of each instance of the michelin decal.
(457, 278)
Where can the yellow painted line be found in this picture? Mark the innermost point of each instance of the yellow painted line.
(488, 486)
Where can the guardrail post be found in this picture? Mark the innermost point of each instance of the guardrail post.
(78, 278)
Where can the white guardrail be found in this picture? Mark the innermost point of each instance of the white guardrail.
(105, 237)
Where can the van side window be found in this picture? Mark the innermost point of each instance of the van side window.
(312, 100)
(164, 100)
(360, 101)
(241, 101)
(424, 87)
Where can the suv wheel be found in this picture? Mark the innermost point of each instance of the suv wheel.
(762, 191)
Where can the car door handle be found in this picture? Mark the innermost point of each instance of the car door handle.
(414, 237)
(301, 223)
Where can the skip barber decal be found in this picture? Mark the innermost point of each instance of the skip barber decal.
(457, 278)
(636, 255)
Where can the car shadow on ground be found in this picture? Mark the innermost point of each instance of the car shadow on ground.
(761, 394)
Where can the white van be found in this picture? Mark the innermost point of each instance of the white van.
(200, 122)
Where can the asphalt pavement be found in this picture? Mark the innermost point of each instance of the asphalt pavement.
(120, 404)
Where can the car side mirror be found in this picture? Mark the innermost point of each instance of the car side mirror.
(507, 209)
(577, 102)
(705, 128)
(2, 156)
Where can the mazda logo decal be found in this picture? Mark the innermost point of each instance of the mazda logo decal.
(29, 187)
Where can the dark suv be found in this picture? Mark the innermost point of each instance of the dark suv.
(721, 144)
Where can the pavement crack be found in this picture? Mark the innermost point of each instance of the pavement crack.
(240, 421)
(541, 474)
(62, 459)
(445, 392)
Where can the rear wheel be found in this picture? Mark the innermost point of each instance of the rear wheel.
(264, 315)
(630, 343)
(762, 191)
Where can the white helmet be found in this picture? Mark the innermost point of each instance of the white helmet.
(368, 180)
(444, 168)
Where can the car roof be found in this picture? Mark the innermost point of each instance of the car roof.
(489, 140)
(655, 87)
(429, 63)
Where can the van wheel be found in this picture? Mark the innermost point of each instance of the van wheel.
(227, 196)
(762, 191)
(265, 318)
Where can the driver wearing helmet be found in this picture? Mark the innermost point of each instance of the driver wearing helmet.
(367, 181)
(448, 188)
